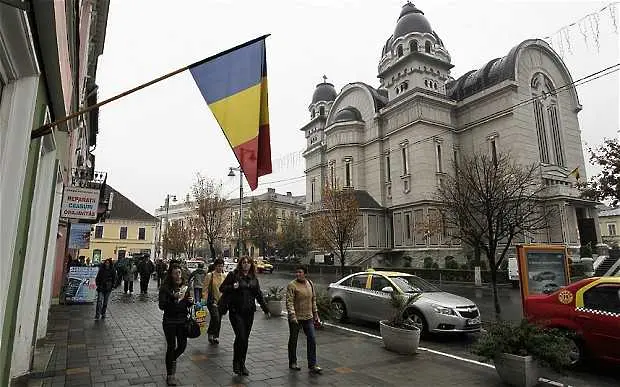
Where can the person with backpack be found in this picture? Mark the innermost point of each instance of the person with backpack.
(302, 314)
(197, 280)
(105, 281)
(129, 274)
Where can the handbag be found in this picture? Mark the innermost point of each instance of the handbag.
(317, 322)
(191, 325)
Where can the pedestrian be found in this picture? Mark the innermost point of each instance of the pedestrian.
(213, 281)
(146, 269)
(105, 281)
(161, 268)
(175, 300)
(242, 290)
(197, 280)
(302, 314)
(129, 272)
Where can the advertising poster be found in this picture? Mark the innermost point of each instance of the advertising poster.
(79, 203)
(543, 269)
(81, 287)
(79, 236)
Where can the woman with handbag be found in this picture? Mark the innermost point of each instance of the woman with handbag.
(213, 281)
(241, 291)
(175, 300)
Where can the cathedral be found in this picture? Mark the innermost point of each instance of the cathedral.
(392, 145)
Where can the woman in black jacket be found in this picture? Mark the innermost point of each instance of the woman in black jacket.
(241, 290)
(174, 300)
(105, 281)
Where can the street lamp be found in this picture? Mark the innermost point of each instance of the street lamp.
(231, 173)
(166, 206)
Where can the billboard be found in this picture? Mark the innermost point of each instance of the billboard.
(543, 269)
(79, 236)
(79, 203)
(81, 287)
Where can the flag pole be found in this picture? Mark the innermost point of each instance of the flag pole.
(47, 128)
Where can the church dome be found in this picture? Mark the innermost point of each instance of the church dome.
(410, 20)
(348, 114)
(324, 92)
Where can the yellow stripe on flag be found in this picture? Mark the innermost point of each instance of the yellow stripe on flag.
(238, 115)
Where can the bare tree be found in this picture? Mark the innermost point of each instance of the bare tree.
(210, 206)
(335, 226)
(193, 229)
(491, 202)
(174, 239)
(261, 224)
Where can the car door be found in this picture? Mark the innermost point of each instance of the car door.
(600, 319)
(379, 304)
(357, 293)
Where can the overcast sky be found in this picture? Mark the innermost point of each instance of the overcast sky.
(153, 142)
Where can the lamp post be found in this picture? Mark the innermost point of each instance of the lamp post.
(231, 173)
(166, 206)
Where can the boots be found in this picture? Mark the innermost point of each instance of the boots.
(171, 380)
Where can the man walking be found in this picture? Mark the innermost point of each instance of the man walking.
(105, 281)
(302, 313)
(161, 268)
(146, 269)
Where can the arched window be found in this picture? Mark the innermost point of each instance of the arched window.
(399, 51)
(427, 47)
(546, 116)
(435, 85)
(413, 46)
(322, 110)
(313, 113)
(426, 82)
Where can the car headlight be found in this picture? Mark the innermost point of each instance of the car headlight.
(443, 310)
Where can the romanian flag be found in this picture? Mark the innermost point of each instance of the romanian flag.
(234, 85)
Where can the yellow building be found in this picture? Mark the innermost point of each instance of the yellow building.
(128, 229)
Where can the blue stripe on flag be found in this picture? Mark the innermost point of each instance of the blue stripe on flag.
(231, 73)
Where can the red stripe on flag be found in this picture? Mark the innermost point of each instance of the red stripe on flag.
(254, 156)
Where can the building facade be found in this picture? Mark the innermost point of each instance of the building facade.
(48, 59)
(285, 205)
(609, 220)
(127, 229)
(398, 141)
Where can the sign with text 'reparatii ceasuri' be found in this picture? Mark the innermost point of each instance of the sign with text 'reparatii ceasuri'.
(80, 203)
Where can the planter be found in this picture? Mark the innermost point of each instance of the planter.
(403, 341)
(275, 308)
(517, 371)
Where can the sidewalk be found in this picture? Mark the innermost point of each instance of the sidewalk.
(128, 349)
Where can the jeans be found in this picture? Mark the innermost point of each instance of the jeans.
(197, 294)
(128, 285)
(102, 303)
(308, 327)
(176, 342)
(241, 325)
(215, 320)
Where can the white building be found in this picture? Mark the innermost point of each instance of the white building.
(396, 142)
(48, 60)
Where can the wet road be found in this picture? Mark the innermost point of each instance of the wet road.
(460, 345)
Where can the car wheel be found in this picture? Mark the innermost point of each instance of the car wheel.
(575, 353)
(339, 310)
(416, 318)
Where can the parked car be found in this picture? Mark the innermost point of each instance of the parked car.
(590, 309)
(192, 264)
(263, 266)
(367, 296)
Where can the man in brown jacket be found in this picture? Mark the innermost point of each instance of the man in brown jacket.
(302, 313)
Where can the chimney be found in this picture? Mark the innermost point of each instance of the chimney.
(289, 194)
(271, 190)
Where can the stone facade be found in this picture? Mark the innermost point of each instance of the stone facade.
(398, 141)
